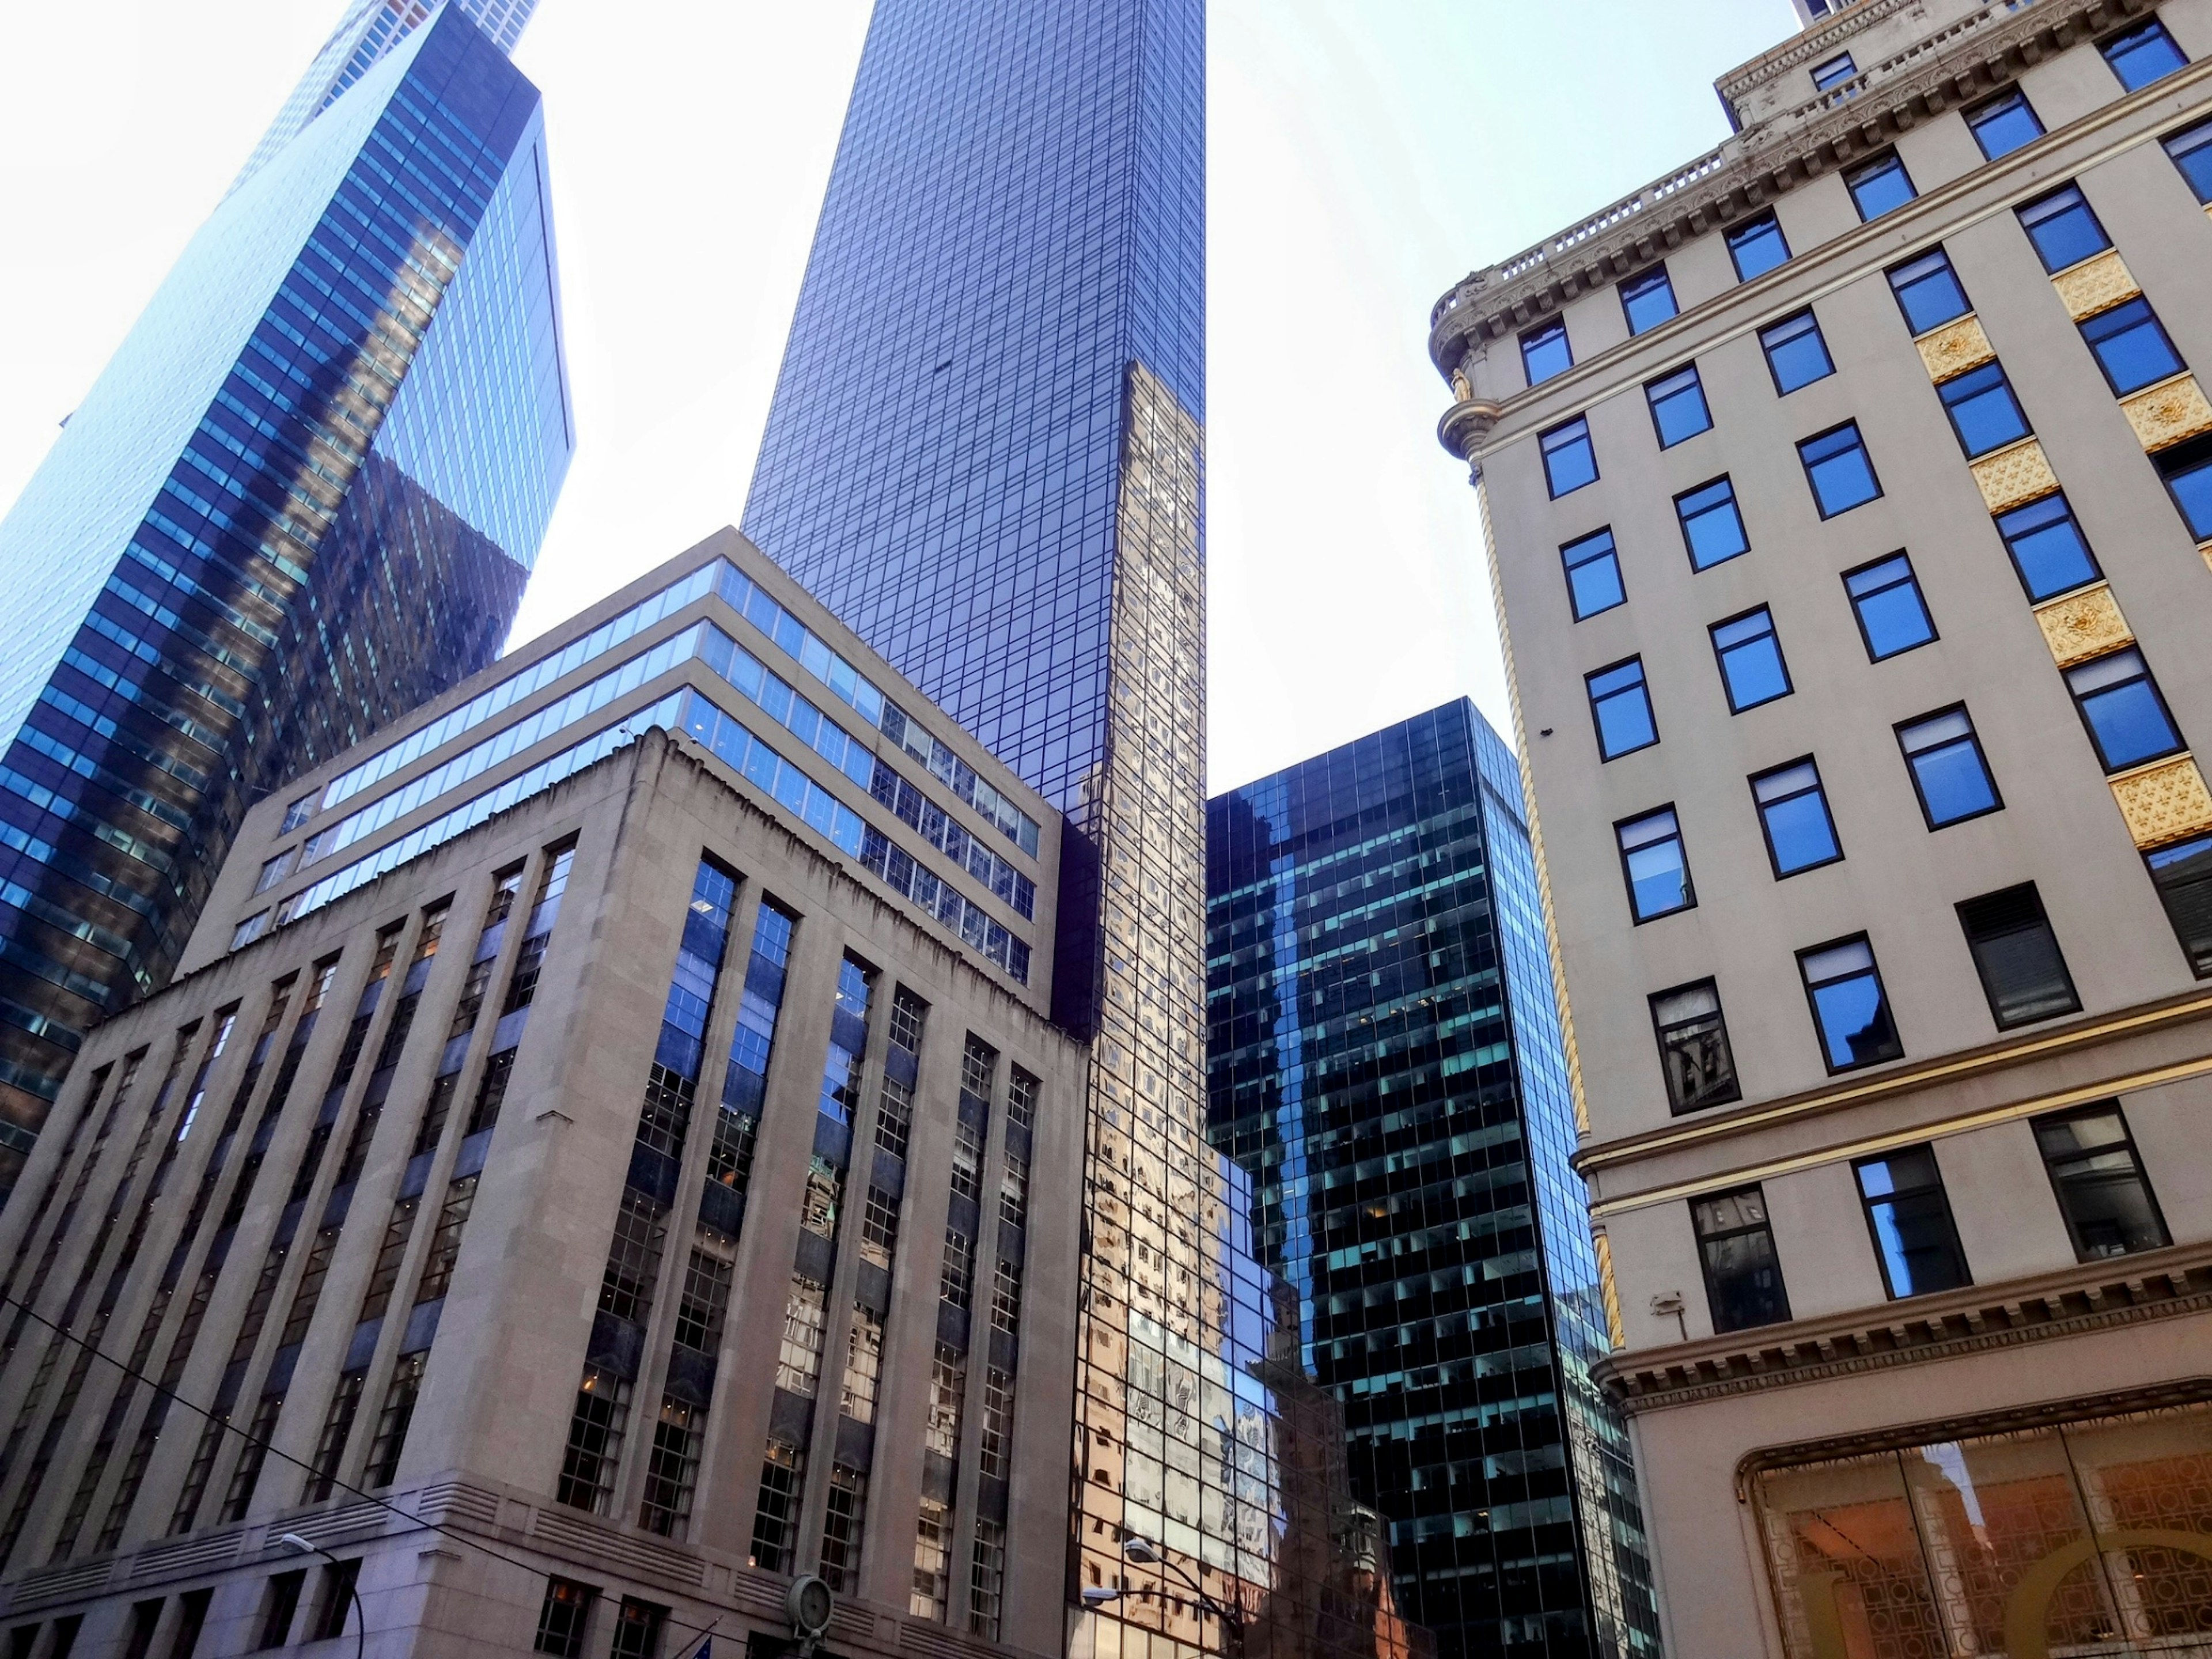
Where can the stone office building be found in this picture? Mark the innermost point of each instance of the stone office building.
(1848, 493)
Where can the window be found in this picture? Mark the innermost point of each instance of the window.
(1621, 706)
(1648, 299)
(775, 1520)
(1750, 656)
(1838, 67)
(1545, 351)
(2003, 124)
(1910, 1217)
(1757, 247)
(283, 1602)
(562, 1618)
(2191, 150)
(933, 1562)
(2187, 470)
(2047, 547)
(1693, 1047)
(1837, 467)
(1928, 291)
(2062, 228)
(986, 1578)
(303, 809)
(1949, 773)
(1593, 575)
(1879, 185)
(2130, 347)
(1678, 406)
(1983, 412)
(1712, 528)
(1848, 1008)
(336, 1601)
(1793, 811)
(1795, 354)
(1569, 461)
(2098, 1178)
(2126, 718)
(2183, 876)
(145, 1617)
(2142, 54)
(841, 1522)
(1887, 599)
(637, 1630)
(1735, 1247)
(2017, 955)
(1652, 860)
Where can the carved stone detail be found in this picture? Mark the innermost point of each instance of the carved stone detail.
(2166, 802)
(2083, 625)
(1956, 347)
(2095, 285)
(2014, 475)
(1463, 427)
(2166, 414)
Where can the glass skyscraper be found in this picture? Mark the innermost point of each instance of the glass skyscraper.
(303, 496)
(1386, 1061)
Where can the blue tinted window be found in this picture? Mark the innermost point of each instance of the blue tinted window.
(2047, 547)
(1794, 812)
(1795, 354)
(2063, 229)
(2142, 54)
(1950, 774)
(1569, 461)
(1712, 528)
(1757, 247)
(2130, 347)
(1658, 873)
(1928, 292)
(1838, 67)
(1648, 299)
(1982, 410)
(1593, 575)
(2191, 150)
(2120, 705)
(2003, 125)
(1622, 707)
(1751, 660)
(1545, 351)
(1893, 615)
(1849, 1007)
(1880, 186)
(1911, 1220)
(1678, 406)
(2187, 470)
(1837, 467)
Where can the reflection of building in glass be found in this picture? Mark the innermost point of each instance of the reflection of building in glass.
(303, 497)
(1386, 1059)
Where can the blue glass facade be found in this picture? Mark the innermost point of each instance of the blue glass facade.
(1385, 1058)
(303, 497)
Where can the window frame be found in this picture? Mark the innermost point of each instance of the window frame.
(1545, 451)
(1705, 1260)
(1941, 1188)
(1819, 790)
(1736, 510)
(1891, 273)
(1882, 990)
(1887, 164)
(2002, 384)
(1537, 337)
(1686, 382)
(1974, 740)
(2127, 1144)
(2185, 459)
(2010, 541)
(2203, 144)
(1988, 109)
(1981, 967)
(2148, 27)
(1621, 828)
(2073, 187)
(1720, 658)
(1750, 230)
(1866, 454)
(1598, 722)
(1912, 580)
(1675, 1108)
(1654, 280)
(1570, 566)
(1848, 70)
(2201, 967)
(2151, 320)
(2096, 743)
(1812, 324)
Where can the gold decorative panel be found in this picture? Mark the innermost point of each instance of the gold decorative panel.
(2095, 285)
(2164, 414)
(2164, 802)
(1956, 347)
(2083, 625)
(2013, 475)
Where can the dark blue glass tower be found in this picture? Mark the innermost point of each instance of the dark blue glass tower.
(303, 497)
(1385, 1057)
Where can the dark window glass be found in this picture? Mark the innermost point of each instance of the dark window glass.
(1757, 247)
(563, 1617)
(2062, 228)
(637, 1630)
(283, 1602)
(1712, 528)
(1593, 575)
(1879, 185)
(1838, 67)
(1849, 1010)
(1545, 351)
(1948, 771)
(1752, 668)
(1837, 468)
(1647, 298)
(1793, 811)
(2047, 548)
(2023, 973)
(2187, 470)
(1984, 411)
(2121, 706)
(1928, 292)
(2100, 1183)
(2191, 150)
(2131, 346)
(1795, 354)
(1911, 1220)
(1678, 406)
(336, 1599)
(1569, 461)
(2003, 125)
(1736, 1246)
(2182, 875)
(1622, 707)
(1651, 858)
(1886, 598)
(1693, 1047)
(2142, 54)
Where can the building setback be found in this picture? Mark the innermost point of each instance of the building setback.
(1849, 500)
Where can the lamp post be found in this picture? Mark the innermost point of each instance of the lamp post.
(1145, 1553)
(292, 1541)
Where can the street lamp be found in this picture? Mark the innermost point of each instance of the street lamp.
(1145, 1553)
(292, 1541)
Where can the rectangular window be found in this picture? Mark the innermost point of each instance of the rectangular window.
(298, 812)
(864, 1365)
(1887, 599)
(596, 1431)
(1838, 470)
(2063, 229)
(2121, 707)
(1735, 1247)
(637, 1630)
(2098, 1178)
(1569, 461)
(2191, 150)
(1795, 354)
(1910, 1217)
(334, 1603)
(671, 1467)
(1651, 859)
(1621, 707)
(1712, 527)
(1757, 247)
(1750, 656)
(775, 1520)
(2131, 346)
(1928, 292)
(1983, 412)
(842, 1523)
(1949, 772)
(955, 1280)
(1826, 73)
(2142, 54)
(2003, 124)
(1593, 575)
(2187, 470)
(1879, 185)
(2183, 876)
(798, 1357)
(1678, 406)
(948, 1396)
(994, 1446)
(1648, 297)
(1545, 351)
(1693, 1047)
(1849, 1010)
(284, 1602)
(1793, 811)
(2047, 547)
(932, 1561)
(987, 1579)
(2023, 973)
(563, 1616)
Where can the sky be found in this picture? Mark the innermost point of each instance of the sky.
(1363, 156)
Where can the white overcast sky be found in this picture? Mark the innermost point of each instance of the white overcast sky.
(1364, 154)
